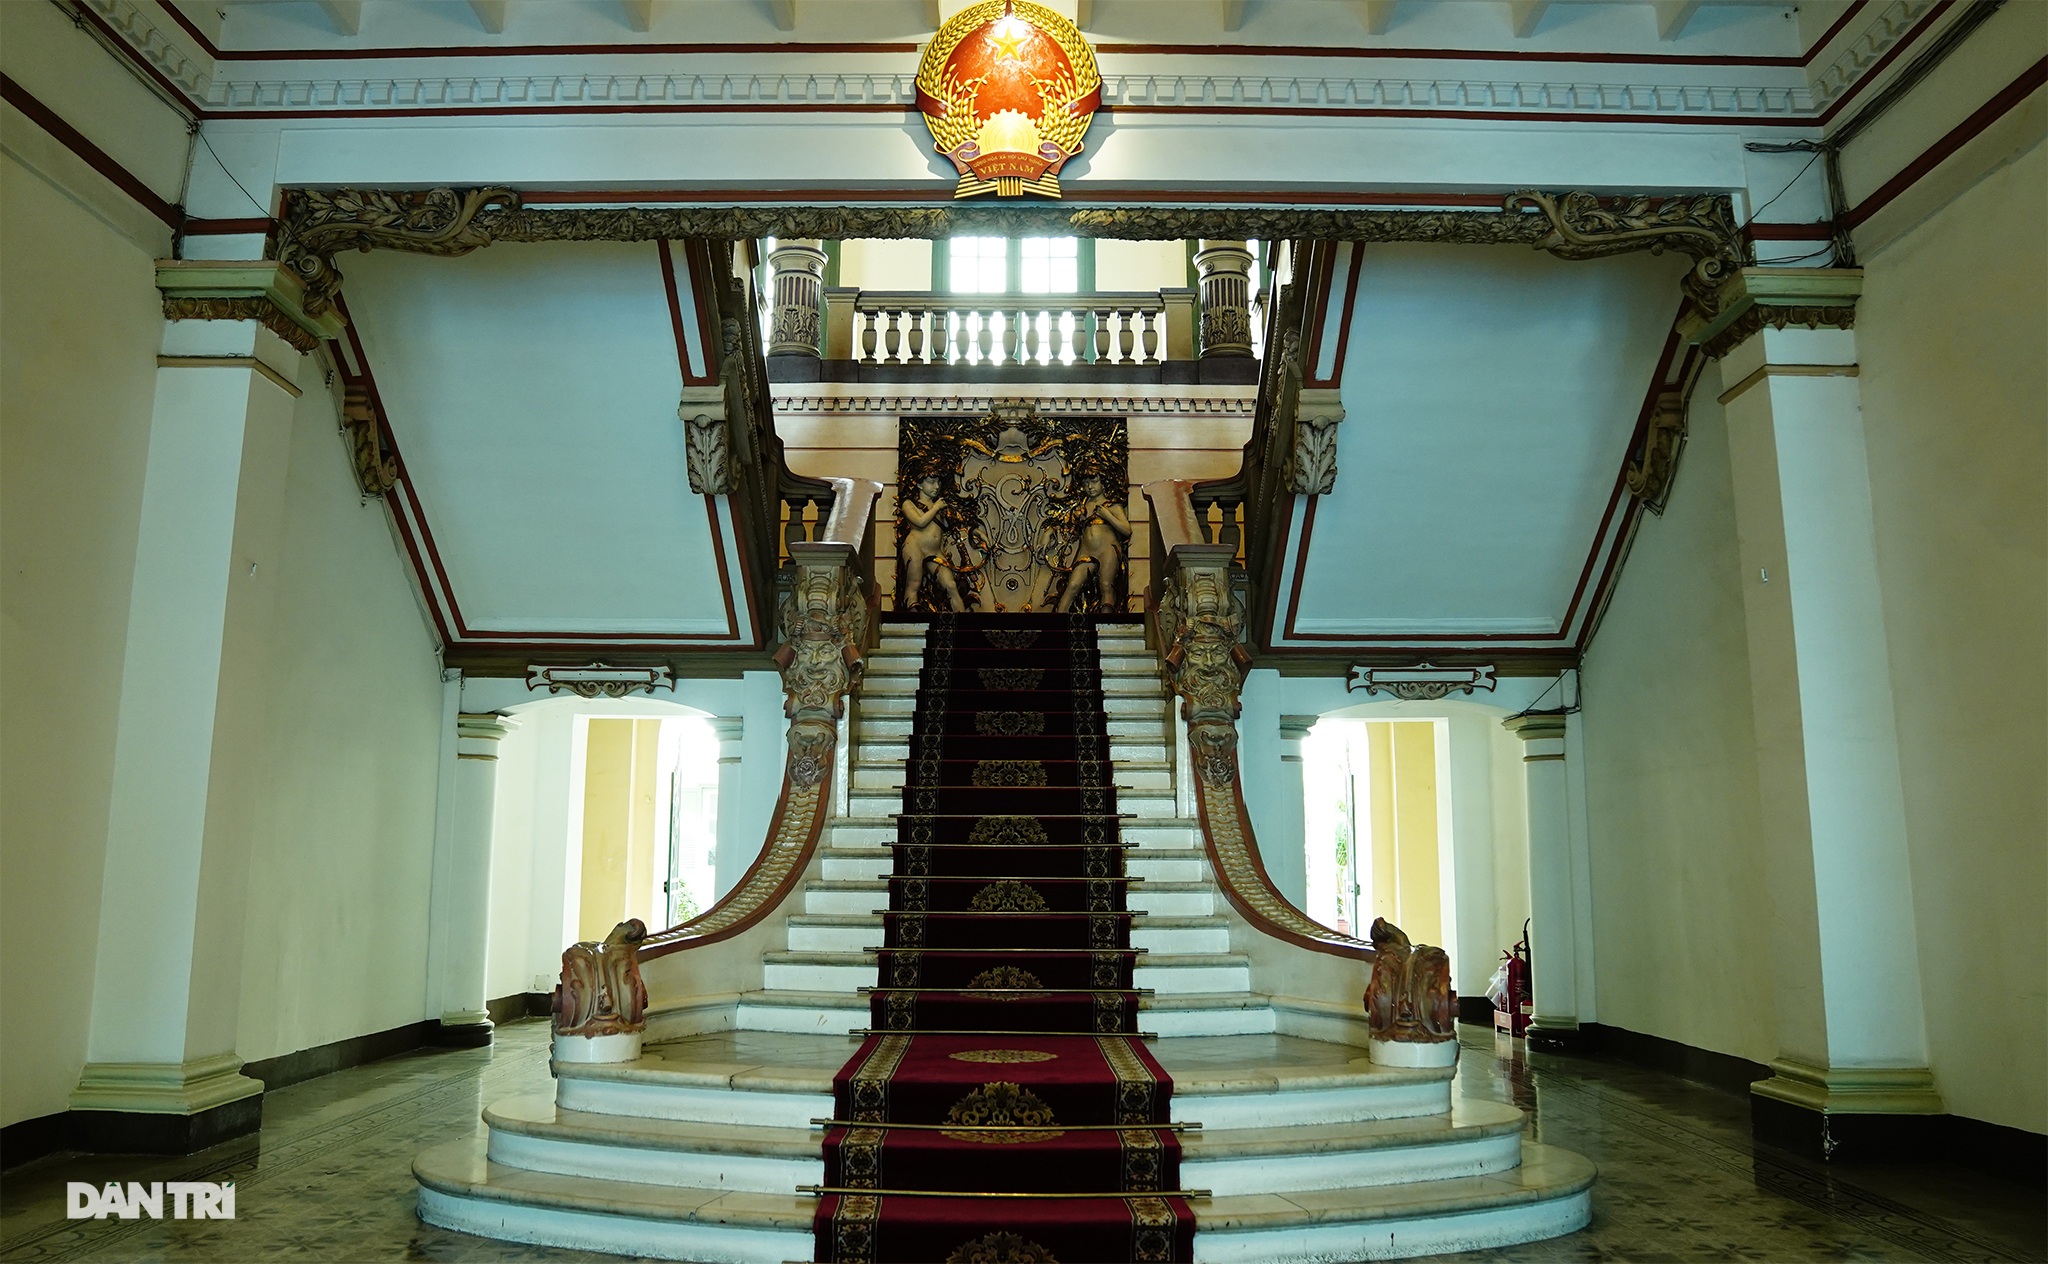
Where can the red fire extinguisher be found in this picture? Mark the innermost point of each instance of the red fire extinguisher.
(1513, 1018)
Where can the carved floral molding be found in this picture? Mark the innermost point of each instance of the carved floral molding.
(1421, 683)
(597, 680)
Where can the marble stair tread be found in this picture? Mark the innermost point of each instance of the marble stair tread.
(462, 1169)
(537, 1115)
(1470, 1118)
(781, 1062)
(1546, 1173)
(797, 998)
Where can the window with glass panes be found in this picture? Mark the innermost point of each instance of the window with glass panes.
(1015, 265)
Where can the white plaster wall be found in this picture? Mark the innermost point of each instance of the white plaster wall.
(80, 320)
(1672, 811)
(1955, 399)
(335, 941)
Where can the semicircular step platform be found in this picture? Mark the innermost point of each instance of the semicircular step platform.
(1298, 1149)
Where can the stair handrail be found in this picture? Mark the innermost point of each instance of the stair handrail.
(828, 620)
(1196, 623)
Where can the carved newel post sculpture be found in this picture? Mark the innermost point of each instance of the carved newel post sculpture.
(600, 1010)
(799, 271)
(1410, 1008)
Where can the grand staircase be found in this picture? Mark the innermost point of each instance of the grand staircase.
(1311, 1151)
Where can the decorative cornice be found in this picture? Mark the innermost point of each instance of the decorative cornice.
(234, 289)
(376, 466)
(1420, 683)
(156, 45)
(599, 680)
(1754, 299)
(1861, 52)
(320, 224)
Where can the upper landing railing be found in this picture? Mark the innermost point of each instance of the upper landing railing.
(1216, 321)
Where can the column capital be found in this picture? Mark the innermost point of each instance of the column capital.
(1294, 728)
(237, 289)
(477, 736)
(727, 728)
(1755, 299)
(1536, 726)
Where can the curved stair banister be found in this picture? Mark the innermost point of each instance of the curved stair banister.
(1196, 621)
(827, 623)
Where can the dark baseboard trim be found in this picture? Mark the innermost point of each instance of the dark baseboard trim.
(520, 1005)
(27, 1140)
(306, 1064)
(131, 1132)
(1999, 1149)
(1669, 1056)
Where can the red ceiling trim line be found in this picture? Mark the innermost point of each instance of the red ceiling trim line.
(1350, 301)
(360, 374)
(1318, 302)
(92, 155)
(1871, 75)
(732, 619)
(227, 227)
(1308, 529)
(1828, 36)
(2009, 97)
(675, 313)
(697, 254)
(192, 29)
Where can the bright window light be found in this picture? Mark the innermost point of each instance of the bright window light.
(980, 265)
(1051, 265)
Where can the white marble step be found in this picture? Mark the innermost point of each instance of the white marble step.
(857, 863)
(534, 1133)
(1546, 1195)
(871, 772)
(894, 726)
(856, 932)
(1169, 1015)
(809, 971)
(1159, 899)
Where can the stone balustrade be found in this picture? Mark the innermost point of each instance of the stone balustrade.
(894, 327)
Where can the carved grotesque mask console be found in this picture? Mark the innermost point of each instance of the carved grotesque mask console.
(1012, 511)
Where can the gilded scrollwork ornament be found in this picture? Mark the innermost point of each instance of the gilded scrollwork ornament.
(1758, 317)
(1701, 227)
(823, 619)
(376, 466)
(601, 993)
(1653, 466)
(1410, 998)
(321, 223)
(1201, 626)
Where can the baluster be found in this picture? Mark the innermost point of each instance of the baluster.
(824, 515)
(1126, 336)
(1202, 510)
(1102, 335)
(1077, 351)
(793, 522)
(984, 337)
(914, 332)
(868, 334)
(1232, 530)
(1148, 336)
(892, 340)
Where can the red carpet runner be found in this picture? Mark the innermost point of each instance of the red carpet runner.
(1005, 1110)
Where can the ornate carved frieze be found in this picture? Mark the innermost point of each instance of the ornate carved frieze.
(707, 447)
(1015, 510)
(1651, 469)
(597, 680)
(1758, 317)
(1701, 227)
(375, 464)
(321, 223)
(601, 993)
(246, 307)
(1420, 683)
(1221, 402)
(1313, 471)
(1410, 998)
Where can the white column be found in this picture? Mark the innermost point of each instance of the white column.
(1844, 948)
(1553, 923)
(467, 910)
(189, 741)
(729, 847)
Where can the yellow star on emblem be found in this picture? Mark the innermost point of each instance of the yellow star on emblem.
(1009, 37)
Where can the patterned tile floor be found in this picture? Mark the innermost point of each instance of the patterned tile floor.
(1679, 1180)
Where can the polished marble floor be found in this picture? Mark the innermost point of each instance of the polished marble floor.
(329, 1179)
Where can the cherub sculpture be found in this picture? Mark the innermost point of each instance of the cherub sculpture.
(1105, 527)
(922, 552)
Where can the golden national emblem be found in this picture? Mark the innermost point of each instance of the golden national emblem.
(1008, 88)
